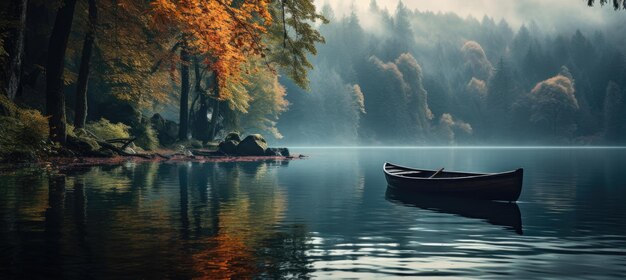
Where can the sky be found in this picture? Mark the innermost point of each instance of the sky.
(551, 14)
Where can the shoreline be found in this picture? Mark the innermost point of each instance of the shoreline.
(68, 163)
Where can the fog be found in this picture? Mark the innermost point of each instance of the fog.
(464, 73)
(552, 15)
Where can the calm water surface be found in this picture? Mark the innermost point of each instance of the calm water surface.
(329, 216)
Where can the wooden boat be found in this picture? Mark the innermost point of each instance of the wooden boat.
(505, 186)
(497, 213)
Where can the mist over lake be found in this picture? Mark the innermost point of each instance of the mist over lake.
(312, 139)
(329, 216)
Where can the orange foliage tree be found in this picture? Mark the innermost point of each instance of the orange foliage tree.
(228, 31)
(228, 35)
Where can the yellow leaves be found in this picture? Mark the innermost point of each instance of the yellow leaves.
(227, 31)
(259, 101)
(127, 50)
(555, 92)
(558, 83)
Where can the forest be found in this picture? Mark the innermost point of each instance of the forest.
(160, 72)
(169, 73)
(424, 78)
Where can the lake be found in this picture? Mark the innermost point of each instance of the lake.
(327, 216)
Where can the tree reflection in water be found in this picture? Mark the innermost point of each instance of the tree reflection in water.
(185, 220)
(247, 206)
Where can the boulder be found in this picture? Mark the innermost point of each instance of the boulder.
(167, 131)
(272, 152)
(234, 136)
(85, 146)
(252, 145)
(157, 121)
(284, 152)
(228, 147)
(82, 145)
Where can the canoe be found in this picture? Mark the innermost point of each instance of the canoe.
(498, 213)
(505, 186)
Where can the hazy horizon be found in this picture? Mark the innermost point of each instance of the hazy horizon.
(399, 74)
(552, 15)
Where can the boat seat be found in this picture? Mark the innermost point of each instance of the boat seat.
(391, 170)
(407, 172)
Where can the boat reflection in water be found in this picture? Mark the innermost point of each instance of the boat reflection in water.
(497, 213)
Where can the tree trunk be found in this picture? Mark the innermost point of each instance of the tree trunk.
(55, 100)
(15, 70)
(80, 114)
(184, 92)
(35, 47)
(216, 108)
(201, 121)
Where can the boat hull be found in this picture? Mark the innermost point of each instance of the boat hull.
(506, 186)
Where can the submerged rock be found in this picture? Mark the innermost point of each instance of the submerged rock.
(284, 152)
(272, 152)
(252, 145)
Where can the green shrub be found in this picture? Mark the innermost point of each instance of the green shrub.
(146, 137)
(35, 130)
(106, 130)
(22, 137)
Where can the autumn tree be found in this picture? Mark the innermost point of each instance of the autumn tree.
(451, 130)
(554, 102)
(264, 103)
(225, 31)
(394, 91)
(476, 63)
(122, 82)
(226, 34)
(126, 53)
(418, 102)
